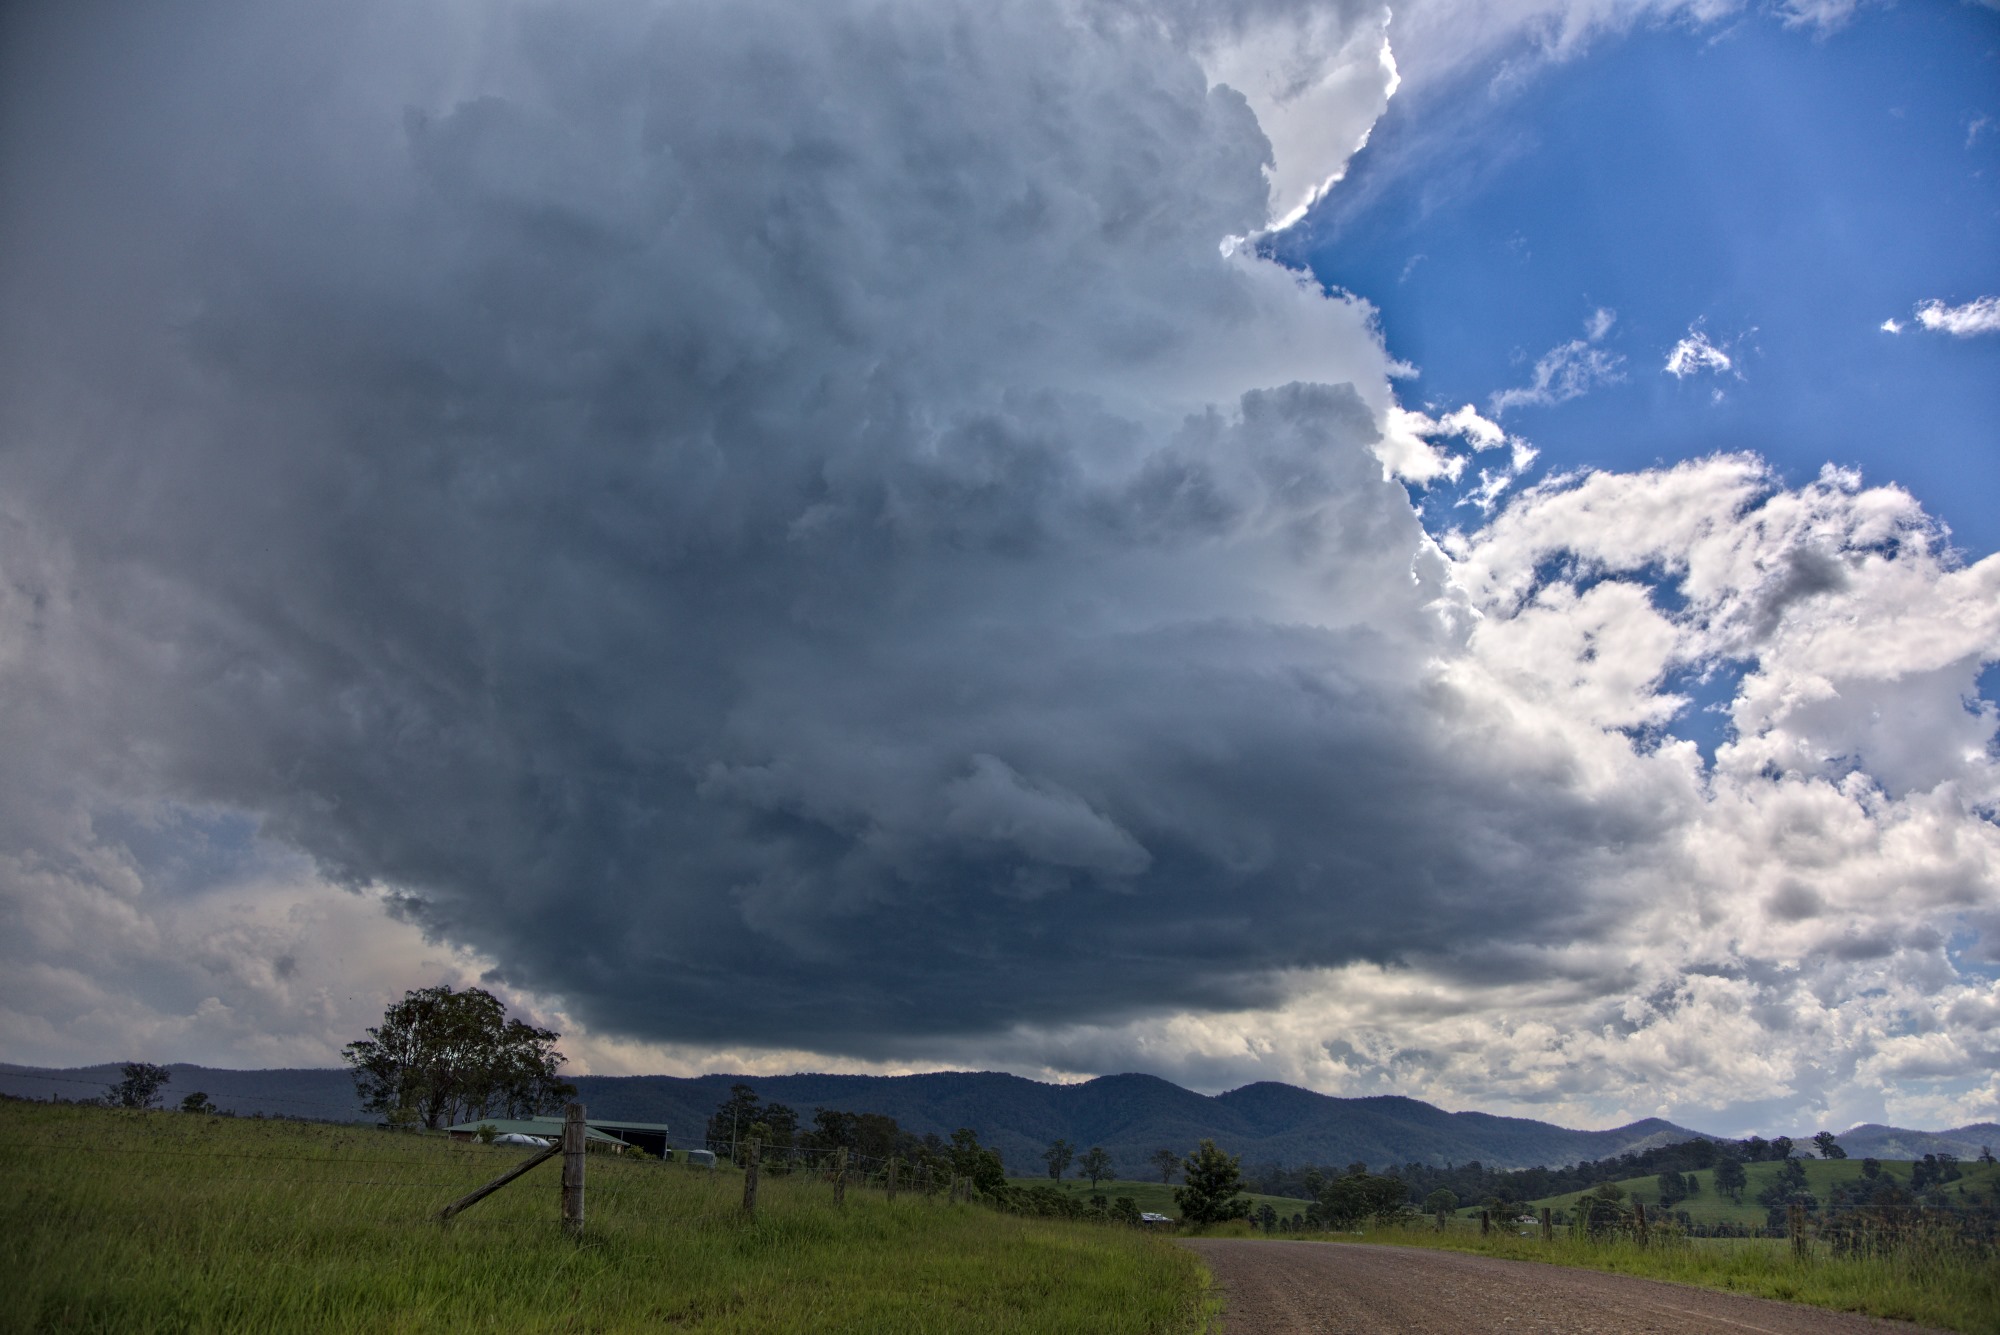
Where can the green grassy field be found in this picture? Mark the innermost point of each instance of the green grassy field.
(1712, 1207)
(119, 1221)
(1152, 1196)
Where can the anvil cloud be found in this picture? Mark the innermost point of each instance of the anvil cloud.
(811, 528)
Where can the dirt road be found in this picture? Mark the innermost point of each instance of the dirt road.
(1318, 1288)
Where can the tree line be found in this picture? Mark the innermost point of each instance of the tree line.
(1475, 1182)
(874, 1138)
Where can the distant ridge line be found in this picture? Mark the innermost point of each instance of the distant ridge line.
(1130, 1114)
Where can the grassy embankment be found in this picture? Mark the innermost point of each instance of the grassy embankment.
(1155, 1196)
(166, 1221)
(1934, 1287)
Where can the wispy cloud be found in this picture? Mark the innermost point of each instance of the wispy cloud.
(1823, 16)
(1980, 316)
(1567, 371)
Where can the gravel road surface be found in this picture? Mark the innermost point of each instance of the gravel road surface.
(1319, 1288)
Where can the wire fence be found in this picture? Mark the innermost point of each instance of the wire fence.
(414, 1184)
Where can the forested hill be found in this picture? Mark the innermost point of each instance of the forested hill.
(1130, 1115)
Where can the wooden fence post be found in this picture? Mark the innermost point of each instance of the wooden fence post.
(753, 1153)
(1639, 1221)
(889, 1187)
(1485, 1223)
(924, 1180)
(572, 1168)
(1795, 1223)
(1548, 1225)
(840, 1176)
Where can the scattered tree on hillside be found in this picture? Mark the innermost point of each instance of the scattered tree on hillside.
(1095, 1164)
(197, 1102)
(1730, 1179)
(743, 1117)
(1601, 1211)
(870, 1135)
(1986, 1154)
(1828, 1148)
(1167, 1162)
(1440, 1202)
(1057, 1156)
(1358, 1195)
(441, 1057)
(141, 1086)
(968, 1158)
(1673, 1188)
(1871, 1168)
(1934, 1170)
(1212, 1180)
(1787, 1189)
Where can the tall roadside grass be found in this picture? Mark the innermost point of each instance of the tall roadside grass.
(1941, 1286)
(117, 1221)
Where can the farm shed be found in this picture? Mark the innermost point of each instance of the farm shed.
(648, 1136)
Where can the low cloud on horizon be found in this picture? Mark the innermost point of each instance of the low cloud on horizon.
(829, 551)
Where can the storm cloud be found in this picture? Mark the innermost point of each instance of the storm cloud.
(809, 526)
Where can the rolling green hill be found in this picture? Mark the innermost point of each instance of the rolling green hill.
(1712, 1207)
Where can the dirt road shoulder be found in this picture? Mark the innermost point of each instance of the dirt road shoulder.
(1319, 1288)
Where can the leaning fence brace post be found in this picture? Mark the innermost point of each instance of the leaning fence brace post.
(840, 1176)
(573, 1133)
(753, 1151)
(1639, 1220)
(889, 1187)
(1548, 1225)
(479, 1194)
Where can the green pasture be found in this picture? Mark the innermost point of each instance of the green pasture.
(124, 1221)
(1155, 1196)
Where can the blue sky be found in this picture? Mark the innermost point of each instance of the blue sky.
(1784, 191)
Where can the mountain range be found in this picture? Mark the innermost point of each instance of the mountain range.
(1129, 1115)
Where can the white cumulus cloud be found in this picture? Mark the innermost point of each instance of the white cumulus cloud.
(1694, 354)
